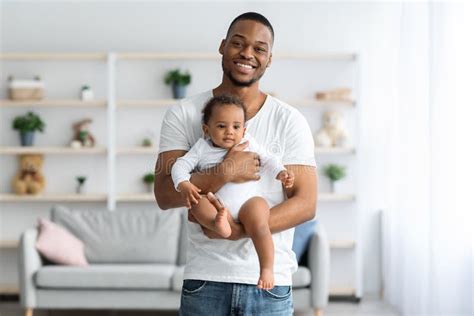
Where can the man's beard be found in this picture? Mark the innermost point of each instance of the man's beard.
(238, 83)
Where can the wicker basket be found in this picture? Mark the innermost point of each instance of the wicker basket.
(25, 90)
(25, 93)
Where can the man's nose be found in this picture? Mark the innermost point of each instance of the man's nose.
(246, 52)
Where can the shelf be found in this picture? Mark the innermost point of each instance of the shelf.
(137, 150)
(320, 103)
(136, 197)
(334, 150)
(334, 197)
(53, 197)
(54, 103)
(51, 150)
(215, 56)
(342, 244)
(147, 103)
(53, 56)
(8, 244)
(9, 289)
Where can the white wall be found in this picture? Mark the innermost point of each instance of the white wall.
(366, 28)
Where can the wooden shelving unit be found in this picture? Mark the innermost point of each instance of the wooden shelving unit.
(8, 244)
(112, 150)
(66, 103)
(9, 289)
(147, 103)
(53, 197)
(19, 150)
(137, 151)
(53, 56)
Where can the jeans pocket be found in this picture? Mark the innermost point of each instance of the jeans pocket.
(279, 292)
(193, 286)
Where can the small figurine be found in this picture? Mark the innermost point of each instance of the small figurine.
(333, 133)
(82, 135)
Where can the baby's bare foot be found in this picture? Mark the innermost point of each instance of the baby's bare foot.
(222, 226)
(265, 282)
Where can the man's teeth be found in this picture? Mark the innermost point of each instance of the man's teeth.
(245, 66)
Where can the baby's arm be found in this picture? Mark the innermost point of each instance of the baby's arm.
(181, 173)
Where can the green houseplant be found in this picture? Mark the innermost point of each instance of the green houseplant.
(178, 81)
(27, 125)
(149, 179)
(334, 173)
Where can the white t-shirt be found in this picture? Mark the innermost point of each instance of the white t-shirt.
(283, 132)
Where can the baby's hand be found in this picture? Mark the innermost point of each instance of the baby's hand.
(189, 193)
(287, 178)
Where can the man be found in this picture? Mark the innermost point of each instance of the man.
(221, 274)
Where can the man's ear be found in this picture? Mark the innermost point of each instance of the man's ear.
(269, 60)
(221, 47)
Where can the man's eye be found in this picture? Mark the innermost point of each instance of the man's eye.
(237, 44)
(260, 49)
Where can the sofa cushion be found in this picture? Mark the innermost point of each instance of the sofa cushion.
(105, 276)
(301, 278)
(58, 245)
(131, 236)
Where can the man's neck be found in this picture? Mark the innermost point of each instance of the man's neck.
(252, 97)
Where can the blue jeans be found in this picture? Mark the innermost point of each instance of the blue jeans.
(206, 298)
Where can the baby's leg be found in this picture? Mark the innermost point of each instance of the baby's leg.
(254, 215)
(208, 216)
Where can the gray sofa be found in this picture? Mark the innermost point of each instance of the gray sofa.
(136, 262)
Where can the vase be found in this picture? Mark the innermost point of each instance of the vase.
(179, 91)
(26, 138)
(149, 187)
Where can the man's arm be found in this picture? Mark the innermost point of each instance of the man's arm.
(237, 166)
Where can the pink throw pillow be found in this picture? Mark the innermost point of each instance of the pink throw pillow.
(59, 245)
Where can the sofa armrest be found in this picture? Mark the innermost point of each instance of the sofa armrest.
(319, 265)
(30, 262)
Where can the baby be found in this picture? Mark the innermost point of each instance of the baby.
(223, 126)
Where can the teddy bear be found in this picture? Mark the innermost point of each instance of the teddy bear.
(82, 135)
(29, 179)
(332, 133)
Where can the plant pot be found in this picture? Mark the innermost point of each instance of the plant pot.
(179, 91)
(80, 189)
(26, 138)
(149, 187)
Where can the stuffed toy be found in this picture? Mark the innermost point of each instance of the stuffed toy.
(333, 133)
(29, 178)
(82, 135)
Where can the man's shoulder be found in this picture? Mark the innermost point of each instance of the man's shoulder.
(196, 101)
(283, 109)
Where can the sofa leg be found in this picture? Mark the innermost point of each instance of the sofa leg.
(29, 312)
(318, 312)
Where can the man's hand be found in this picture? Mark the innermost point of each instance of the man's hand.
(238, 230)
(241, 166)
(189, 193)
(287, 178)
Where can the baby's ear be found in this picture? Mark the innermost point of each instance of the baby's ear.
(205, 129)
(245, 129)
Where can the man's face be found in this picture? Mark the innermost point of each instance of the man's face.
(246, 52)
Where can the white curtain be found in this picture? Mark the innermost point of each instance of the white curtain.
(427, 229)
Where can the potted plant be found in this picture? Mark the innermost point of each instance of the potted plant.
(334, 173)
(178, 80)
(80, 184)
(86, 93)
(149, 179)
(27, 125)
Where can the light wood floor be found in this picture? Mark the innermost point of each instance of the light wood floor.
(368, 307)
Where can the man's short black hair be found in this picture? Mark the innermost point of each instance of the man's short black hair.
(253, 16)
(220, 100)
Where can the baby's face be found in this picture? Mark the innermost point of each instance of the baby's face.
(225, 126)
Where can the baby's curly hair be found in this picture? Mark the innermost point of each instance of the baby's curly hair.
(220, 100)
